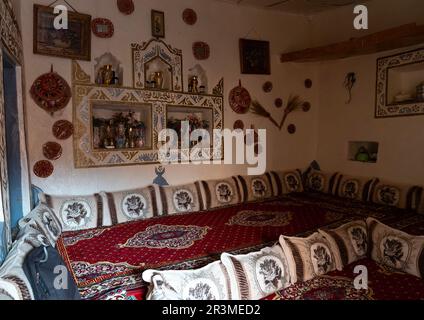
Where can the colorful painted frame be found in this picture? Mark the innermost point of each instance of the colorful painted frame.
(383, 109)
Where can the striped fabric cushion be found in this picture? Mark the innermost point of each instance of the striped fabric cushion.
(349, 242)
(323, 182)
(76, 213)
(181, 199)
(355, 188)
(208, 283)
(397, 195)
(396, 249)
(285, 182)
(257, 275)
(220, 193)
(256, 188)
(131, 205)
(308, 257)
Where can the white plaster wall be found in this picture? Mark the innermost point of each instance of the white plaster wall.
(219, 24)
(401, 156)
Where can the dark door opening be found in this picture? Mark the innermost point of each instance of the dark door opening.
(13, 142)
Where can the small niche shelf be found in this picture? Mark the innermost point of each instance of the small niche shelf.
(363, 151)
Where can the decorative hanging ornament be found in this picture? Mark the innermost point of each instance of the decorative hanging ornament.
(238, 125)
(308, 83)
(126, 6)
(189, 16)
(51, 92)
(240, 99)
(267, 87)
(43, 169)
(102, 28)
(52, 150)
(201, 50)
(278, 103)
(292, 129)
(63, 129)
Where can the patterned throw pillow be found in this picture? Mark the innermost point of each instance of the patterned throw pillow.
(181, 199)
(220, 193)
(43, 220)
(131, 205)
(349, 242)
(354, 188)
(76, 213)
(256, 188)
(286, 182)
(257, 275)
(208, 283)
(396, 249)
(308, 257)
(397, 195)
(324, 182)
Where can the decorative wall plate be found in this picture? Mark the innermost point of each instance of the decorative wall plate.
(126, 6)
(189, 16)
(63, 129)
(291, 129)
(278, 102)
(240, 99)
(43, 169)
(52, 150)
(238, 125)
(102, 28)
(51, 92)
(267, 87)
(306, 106)
(201, 50)
(308, 83)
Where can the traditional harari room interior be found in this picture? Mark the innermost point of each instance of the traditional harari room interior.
(225, 150)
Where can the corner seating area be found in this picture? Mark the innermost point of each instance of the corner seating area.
(295, 228)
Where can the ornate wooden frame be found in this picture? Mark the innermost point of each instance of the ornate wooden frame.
(383, 109)
(85, 93)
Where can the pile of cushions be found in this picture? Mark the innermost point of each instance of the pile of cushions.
(371, 190)
(259, 274)
(106, 209)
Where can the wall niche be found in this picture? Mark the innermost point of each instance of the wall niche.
(363, 151)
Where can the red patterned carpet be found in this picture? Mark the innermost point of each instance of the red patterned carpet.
(109, 259)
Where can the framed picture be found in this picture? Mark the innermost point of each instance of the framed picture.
(255, 57)
(158, 24)
(72, 43)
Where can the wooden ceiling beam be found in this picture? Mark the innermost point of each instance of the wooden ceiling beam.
(394, 38)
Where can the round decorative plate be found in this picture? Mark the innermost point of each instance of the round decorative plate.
(102, 28)
(267, 87)
(51, 92)
(306, 106)
(52, 150)
(240, 99)
(201, 50)
(189, 16)
(63, 129)
(126, 6)
(43, 169)
(291, 129)
(278, 102)
(308, 83)
(238, 125)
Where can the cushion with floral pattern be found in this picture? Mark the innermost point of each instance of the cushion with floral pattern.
(286, 182)
(323, 182)
(396, 249)
(181, 199)
(349, 242)
(131, 205)
(256, 188)
(208, 283)
(308, 257)
(220, 193)
(257, 275)
(77, 213)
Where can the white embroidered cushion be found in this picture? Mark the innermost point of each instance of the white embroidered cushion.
(349, 242)
(308, 257)
(396, 249)
(257, 275)
(208, 283)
